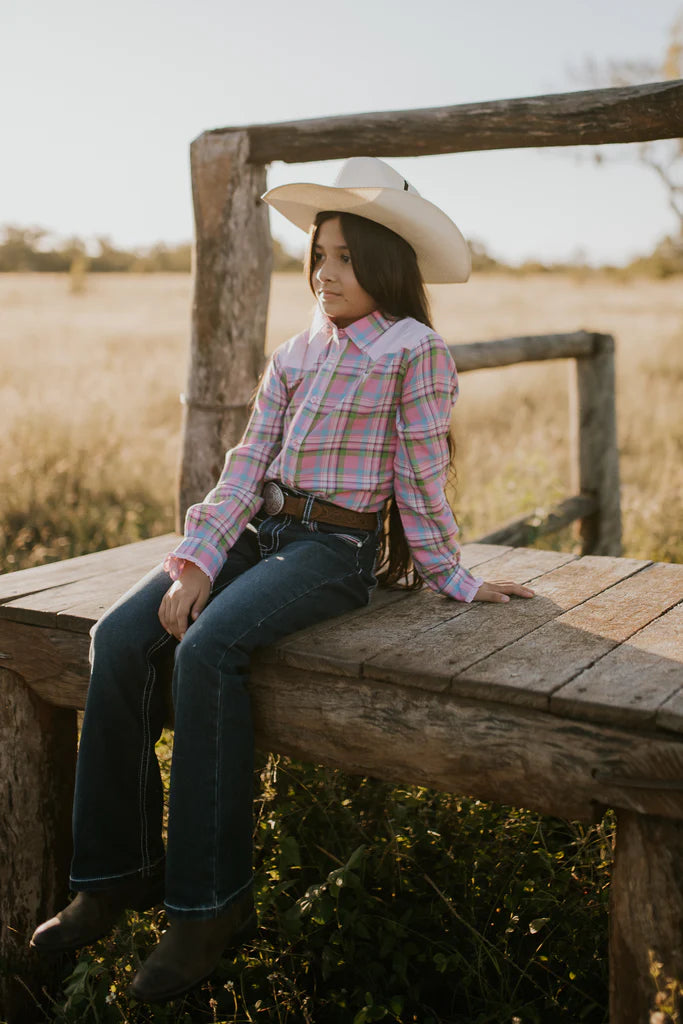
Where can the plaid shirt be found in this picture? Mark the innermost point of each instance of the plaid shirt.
(352, 416)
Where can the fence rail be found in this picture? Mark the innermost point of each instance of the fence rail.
(636, 113)
(233, 262)
(593, 436)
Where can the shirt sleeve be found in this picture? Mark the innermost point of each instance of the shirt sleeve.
(213, 525)
(430, 389)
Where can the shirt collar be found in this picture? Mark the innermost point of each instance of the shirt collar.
(361, 332)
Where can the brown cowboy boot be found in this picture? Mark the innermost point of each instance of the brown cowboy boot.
(92, 915)
(190, 950)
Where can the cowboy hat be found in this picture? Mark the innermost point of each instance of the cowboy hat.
(370, 188)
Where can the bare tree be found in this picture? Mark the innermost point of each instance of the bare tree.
(665, 157)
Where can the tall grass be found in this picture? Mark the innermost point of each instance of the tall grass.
(377, 902)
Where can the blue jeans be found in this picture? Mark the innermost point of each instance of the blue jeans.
(280, 576)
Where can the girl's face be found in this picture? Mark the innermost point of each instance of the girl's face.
(334, 282)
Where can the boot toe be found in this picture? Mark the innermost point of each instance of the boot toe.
(46, 935)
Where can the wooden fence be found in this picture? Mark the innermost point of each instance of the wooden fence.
(233, 263)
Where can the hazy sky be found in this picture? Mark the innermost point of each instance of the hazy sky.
(99, 103)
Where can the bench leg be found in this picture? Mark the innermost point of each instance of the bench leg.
(37, 763)
(646, 919)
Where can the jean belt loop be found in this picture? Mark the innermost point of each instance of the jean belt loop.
(308, 508)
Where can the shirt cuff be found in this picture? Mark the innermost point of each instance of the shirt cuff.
(204, 555)
(462, 585)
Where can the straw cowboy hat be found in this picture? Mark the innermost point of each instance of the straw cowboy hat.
(370, 188)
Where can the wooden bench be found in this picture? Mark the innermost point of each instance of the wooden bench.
(566, 705)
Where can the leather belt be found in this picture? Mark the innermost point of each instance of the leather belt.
(276, 501)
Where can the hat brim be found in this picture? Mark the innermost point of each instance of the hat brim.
(442, 252)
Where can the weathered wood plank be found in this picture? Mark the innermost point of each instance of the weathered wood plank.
(435, 651)
(529, 669)
(53, 662)
(646, 917)
(629, 684)
(590, 117)
(349, 652)
(480, 355)
(77, 605)
(144, 553)
(489, 751)
(37, 760)
(670, 715)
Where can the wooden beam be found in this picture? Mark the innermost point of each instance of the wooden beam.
(524, 531)
(646, 919)
(595, 455)
(485, 355)
(636, 113)
(447, 741)
(37, 765)
(485, 750)
(233, 260)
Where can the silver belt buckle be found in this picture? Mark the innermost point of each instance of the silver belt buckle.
(273, 498)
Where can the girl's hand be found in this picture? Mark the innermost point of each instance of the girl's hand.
(187, 596)
(500, 591)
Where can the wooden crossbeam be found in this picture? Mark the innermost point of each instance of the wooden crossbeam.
(636, 113)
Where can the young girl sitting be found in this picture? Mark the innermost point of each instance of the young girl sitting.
(351, 417)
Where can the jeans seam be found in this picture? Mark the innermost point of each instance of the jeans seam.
(125, 874)
(265, 551)
(216, 784)
(145, 752)
(277, 532)
(215, 905)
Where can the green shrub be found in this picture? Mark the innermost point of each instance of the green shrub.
(390, 903)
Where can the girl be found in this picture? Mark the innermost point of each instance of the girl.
(351, 415)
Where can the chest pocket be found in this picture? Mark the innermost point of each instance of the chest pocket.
(378, 389)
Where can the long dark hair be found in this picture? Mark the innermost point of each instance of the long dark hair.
(386, 268)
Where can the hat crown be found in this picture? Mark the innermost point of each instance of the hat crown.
(370, 172)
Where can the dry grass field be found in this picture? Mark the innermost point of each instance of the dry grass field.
(90, 411)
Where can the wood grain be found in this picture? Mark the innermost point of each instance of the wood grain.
(630, 683)
(233, 261)
(392, 619)
(489, 751)
(591, 117)
(53, 662)
(98, 564)
(480, 355)
(595, 455)
(646, 916)
(37, 759)
(435, 651)
(76, 605)
(530, 668)
(526, 529)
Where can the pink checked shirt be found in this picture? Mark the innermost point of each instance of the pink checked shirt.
(351, 416)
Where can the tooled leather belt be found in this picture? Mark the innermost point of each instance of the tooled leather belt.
(276, 501)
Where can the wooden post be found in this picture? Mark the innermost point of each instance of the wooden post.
(233, 261)
(595, 453)
(646, 919)
(37, 765)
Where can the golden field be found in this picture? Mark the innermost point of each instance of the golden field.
(91, 416)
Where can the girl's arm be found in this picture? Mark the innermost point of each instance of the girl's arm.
(213, 525)
(421, 463)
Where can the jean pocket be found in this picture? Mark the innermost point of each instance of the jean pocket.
(355, 542)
